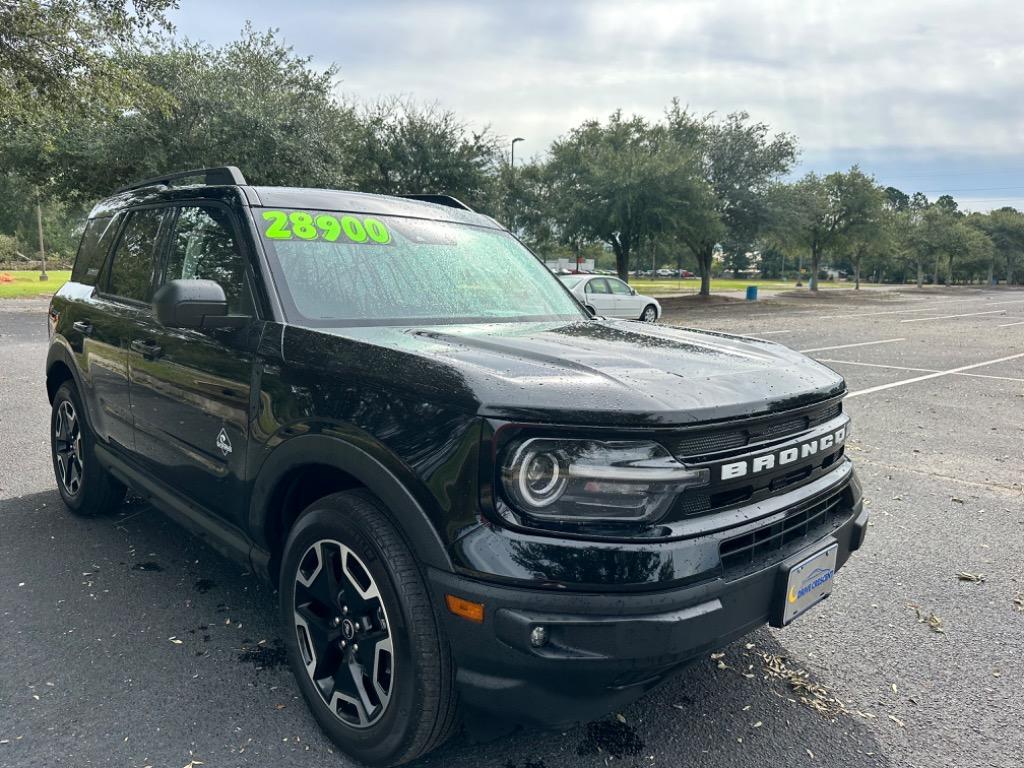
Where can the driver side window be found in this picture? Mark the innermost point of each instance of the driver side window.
(203, 247)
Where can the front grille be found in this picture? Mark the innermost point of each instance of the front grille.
(745, 553)
(710, 441)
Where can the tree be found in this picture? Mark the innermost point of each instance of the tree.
(867, 232)
(739, 161)
(624, 183)
(897, 200)
(821, 213)
(58, 52)
(251, 103)
(1005, 227)
(403, 148)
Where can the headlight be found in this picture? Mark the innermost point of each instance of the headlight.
(591, 480)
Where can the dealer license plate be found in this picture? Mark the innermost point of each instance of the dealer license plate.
(809, 583)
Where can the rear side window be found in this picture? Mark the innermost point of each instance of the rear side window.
(203, 247)
(92, 251)
(131, 272)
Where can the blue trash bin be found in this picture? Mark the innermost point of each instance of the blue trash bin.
(751, 293)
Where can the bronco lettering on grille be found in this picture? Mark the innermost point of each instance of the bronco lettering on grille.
(780, 458)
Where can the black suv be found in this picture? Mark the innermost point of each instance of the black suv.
(479, 504)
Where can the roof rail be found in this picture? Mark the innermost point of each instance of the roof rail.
(447, 200)
(225, 174)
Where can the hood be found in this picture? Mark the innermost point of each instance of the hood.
(582, 372)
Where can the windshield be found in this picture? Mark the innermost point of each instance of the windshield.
(354, 269)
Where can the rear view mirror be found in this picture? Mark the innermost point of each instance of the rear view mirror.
(194, 304)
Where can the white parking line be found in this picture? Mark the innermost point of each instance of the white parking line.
(873, 314)
(915, 370)
(848, 346)
(877, 365)
(946, 317)
(1001, 303)
(935, 375)
(920, 309)
(771, 333)
(1010, 325)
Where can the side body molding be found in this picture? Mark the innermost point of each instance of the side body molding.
(407, 513)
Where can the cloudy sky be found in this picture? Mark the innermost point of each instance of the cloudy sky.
(926, 96)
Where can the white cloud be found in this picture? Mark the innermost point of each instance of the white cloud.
(872, 75)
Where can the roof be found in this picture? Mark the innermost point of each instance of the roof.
(292, 197)
(363, 202)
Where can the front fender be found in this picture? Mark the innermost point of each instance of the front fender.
(407, 513)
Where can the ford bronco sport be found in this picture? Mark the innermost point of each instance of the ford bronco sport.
(479, 503)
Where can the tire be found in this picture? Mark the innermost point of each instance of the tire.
(407, 704)
(650, 314)
(86, 487)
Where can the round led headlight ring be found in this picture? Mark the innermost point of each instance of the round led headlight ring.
(542, 478)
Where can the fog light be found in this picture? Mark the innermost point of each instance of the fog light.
(539, 637)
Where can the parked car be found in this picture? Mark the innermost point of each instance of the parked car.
(665, 273)
(610, 297)
(477, 503)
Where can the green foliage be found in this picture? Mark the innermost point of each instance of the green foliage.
(827, 215)
(11, 249)
(739, 161)
(252, 103)
(55, 52)
(624, 182)
(402, 148)
(1005, 227)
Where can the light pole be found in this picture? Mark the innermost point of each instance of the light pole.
(42, 248)
(512, 183)
(512, 163)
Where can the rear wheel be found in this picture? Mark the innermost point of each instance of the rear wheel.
(86, 487)
(362, 637)
(650, 314)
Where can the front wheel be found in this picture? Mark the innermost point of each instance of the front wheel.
(650, 314)
(362, 637)
(86, 487)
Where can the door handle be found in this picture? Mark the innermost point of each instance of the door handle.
(82, 326)
(147, 348)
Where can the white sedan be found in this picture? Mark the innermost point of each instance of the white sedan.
(610, 297)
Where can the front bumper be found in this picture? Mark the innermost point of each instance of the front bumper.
(605, 649)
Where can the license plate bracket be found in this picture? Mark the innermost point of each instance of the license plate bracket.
(804, 581)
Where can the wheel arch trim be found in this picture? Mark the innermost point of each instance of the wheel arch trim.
(405, 511)
(59, 354)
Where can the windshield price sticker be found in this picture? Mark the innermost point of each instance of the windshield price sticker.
(303, 225)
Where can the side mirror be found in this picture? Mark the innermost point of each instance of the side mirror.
(632, 291)
(590, 310)
(194, 304)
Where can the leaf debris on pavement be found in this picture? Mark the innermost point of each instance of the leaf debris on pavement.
(933, 621)
(975, 578)
(808, 692)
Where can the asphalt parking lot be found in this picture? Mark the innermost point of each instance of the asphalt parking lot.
(125, 642)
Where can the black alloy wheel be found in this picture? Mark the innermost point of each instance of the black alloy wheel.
(67, 448)
(85, 485)
(364, 641)
(343, 633)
